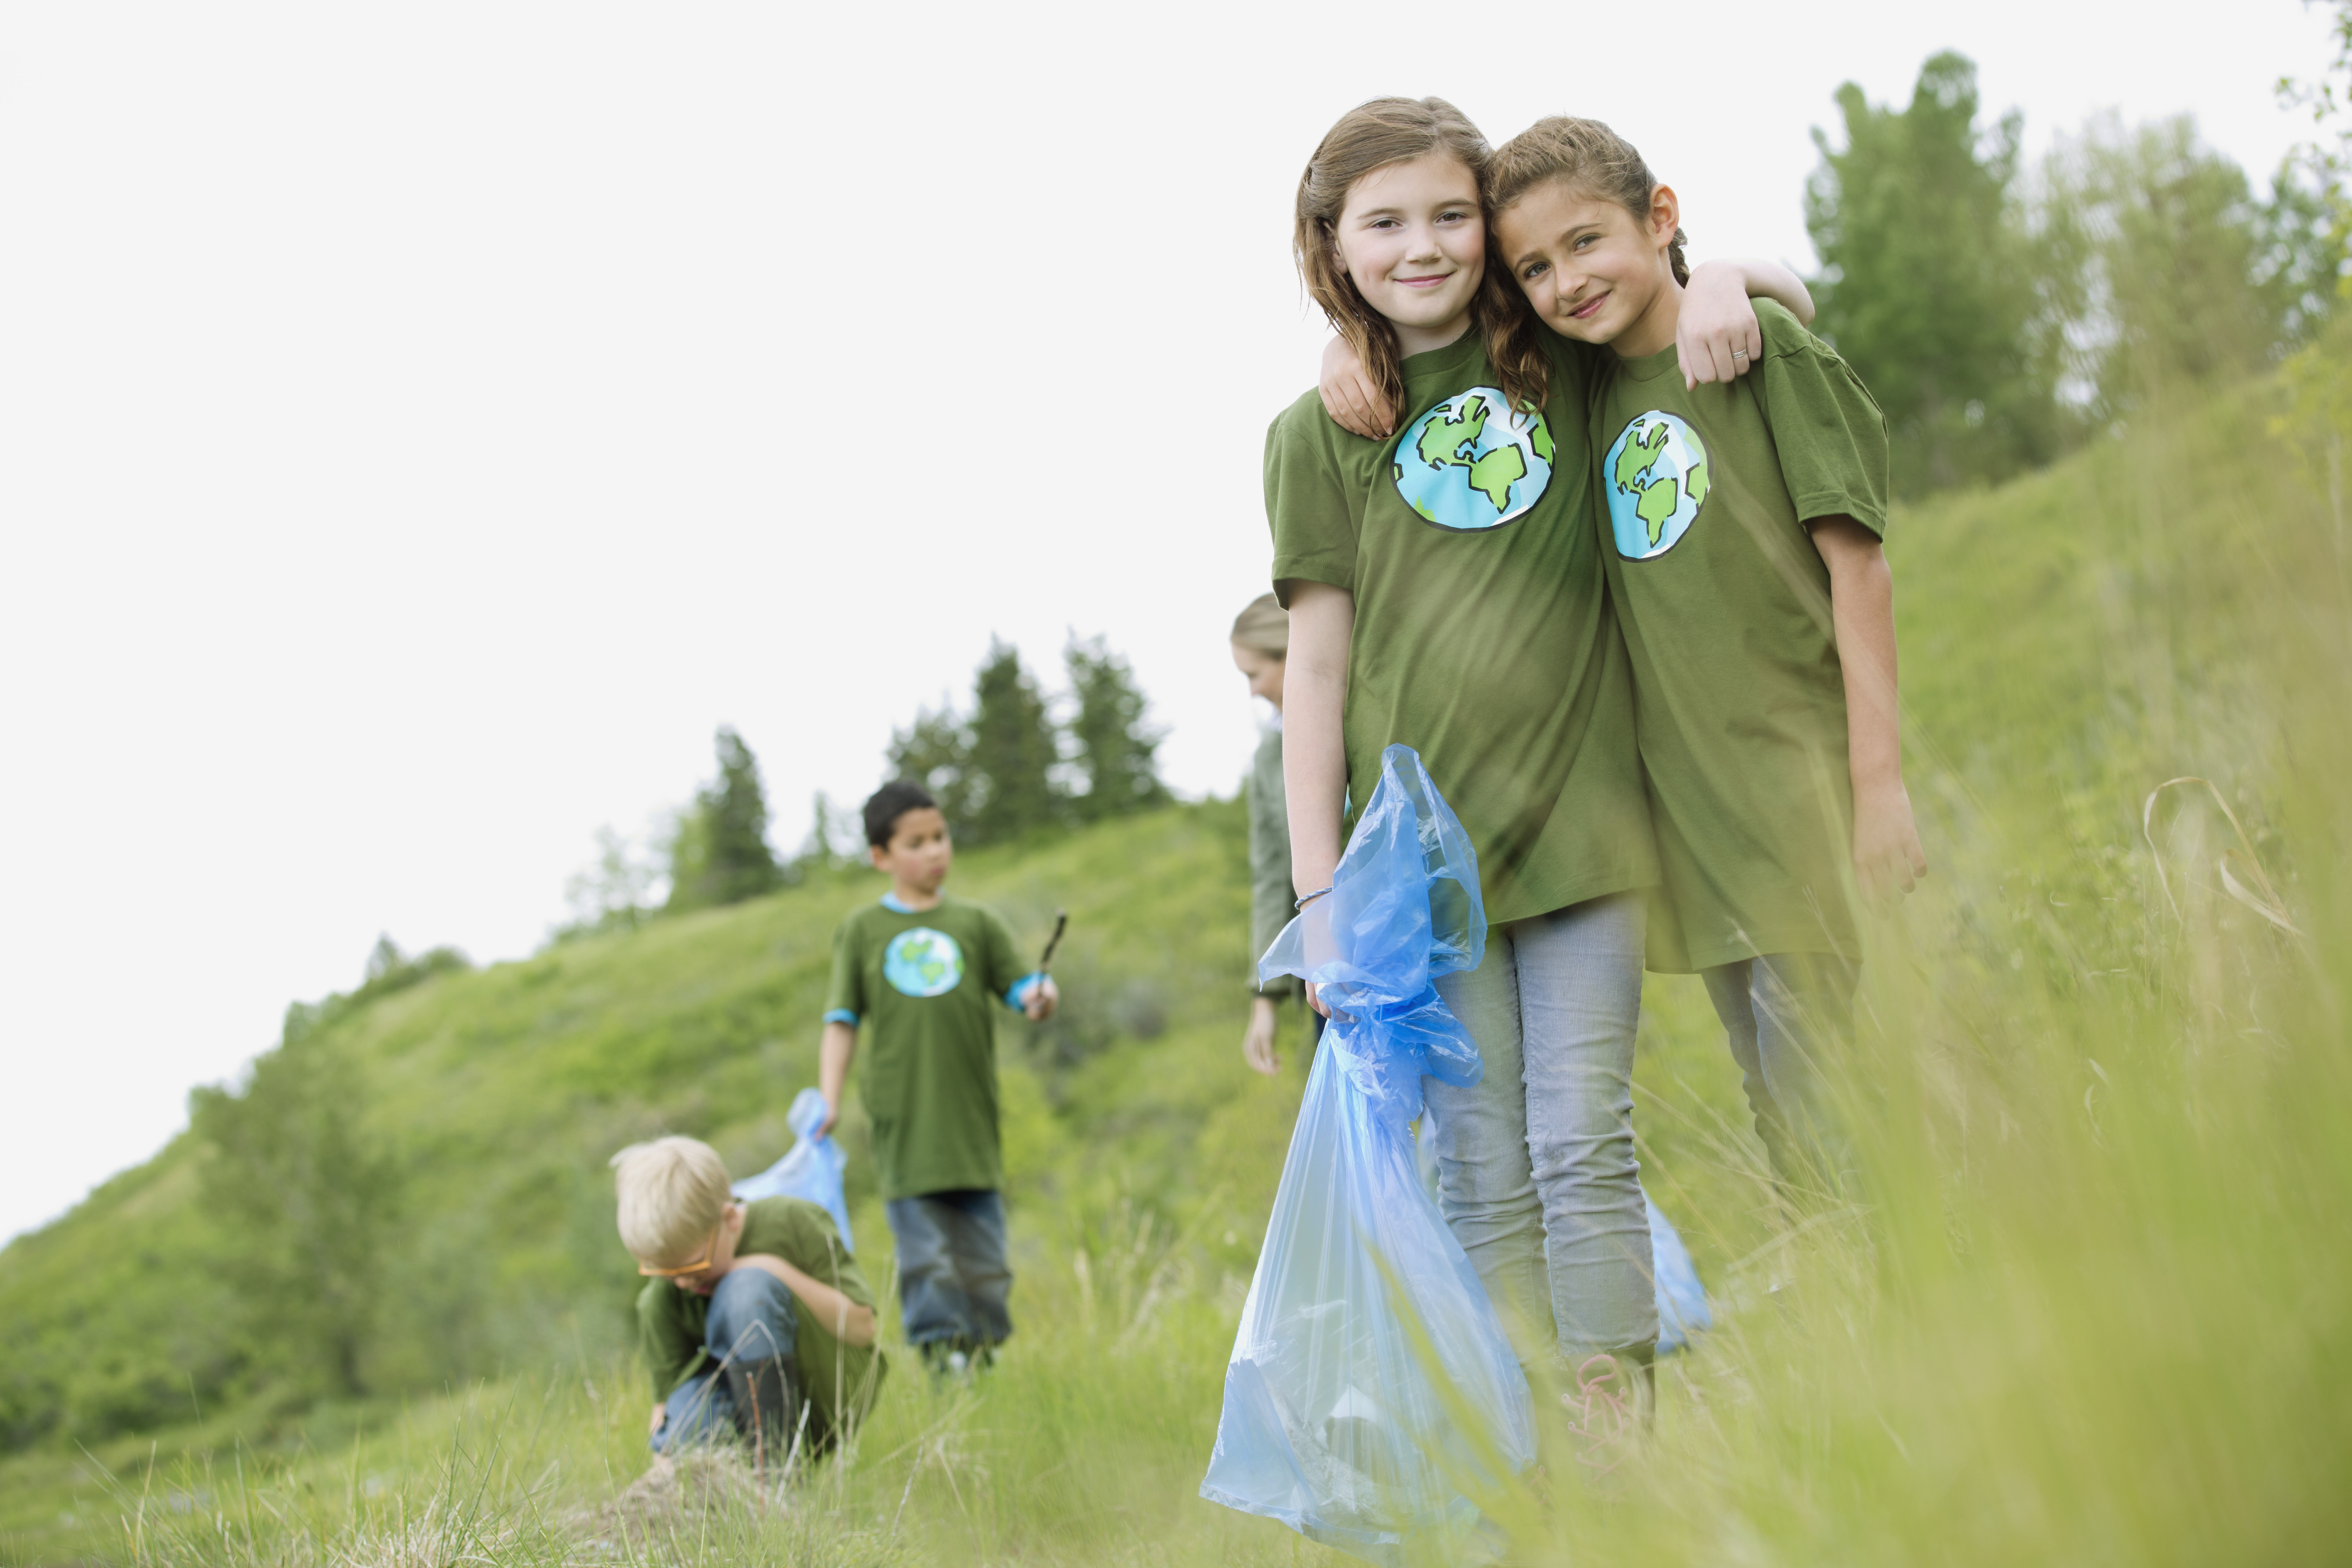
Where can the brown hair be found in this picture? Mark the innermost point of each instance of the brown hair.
(1586, 155)
(1263, 627)
(1372, 136)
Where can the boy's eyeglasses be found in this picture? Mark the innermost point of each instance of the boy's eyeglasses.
(696, 1267)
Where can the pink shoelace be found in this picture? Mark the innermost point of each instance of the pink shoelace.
(1599, 1414)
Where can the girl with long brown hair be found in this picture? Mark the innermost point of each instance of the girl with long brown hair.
(1445, 591)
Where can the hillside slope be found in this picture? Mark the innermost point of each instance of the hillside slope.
(2065, 624)
(502, 1093)
(2170, 602)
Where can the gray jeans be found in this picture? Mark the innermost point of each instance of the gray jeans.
(1788, 1015)
(1536, 1168)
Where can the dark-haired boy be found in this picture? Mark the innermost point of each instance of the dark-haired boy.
(924, 971)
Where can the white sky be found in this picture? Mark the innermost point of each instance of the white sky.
(420, 425)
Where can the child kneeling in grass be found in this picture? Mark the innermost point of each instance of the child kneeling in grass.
(754, 1320)
(925, 970)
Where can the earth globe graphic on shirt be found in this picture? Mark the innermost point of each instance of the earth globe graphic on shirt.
(1470, 463)
(1657, 477)
(922, 961)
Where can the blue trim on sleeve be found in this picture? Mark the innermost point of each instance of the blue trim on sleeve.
(1012, 993)
(842, 1016)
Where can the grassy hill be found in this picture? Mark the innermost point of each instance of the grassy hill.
(2092, 1313)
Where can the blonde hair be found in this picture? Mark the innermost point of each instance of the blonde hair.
(673, 1192)
(1370, 137)
(1584, 154)
(1263, 627)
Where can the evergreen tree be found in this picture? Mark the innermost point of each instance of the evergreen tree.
(1929, 288)
(1114, 748)
(935, 751)
(720, 854)
(1011, 754)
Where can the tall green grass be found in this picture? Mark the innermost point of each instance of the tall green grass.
(2093, 1304)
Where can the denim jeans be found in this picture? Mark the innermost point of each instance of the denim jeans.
(952, 1276)
(750, 1321)
(1788, 1014)
(1536, 1168)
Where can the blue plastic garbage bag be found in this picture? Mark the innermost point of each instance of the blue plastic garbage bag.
(812, 1170)
(1332, 1421)
(1682, 1301)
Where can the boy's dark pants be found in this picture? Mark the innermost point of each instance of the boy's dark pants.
(952, 1276)
(1789, 1015)
(749, 1335)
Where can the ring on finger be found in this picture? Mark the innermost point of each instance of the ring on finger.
(1739, 353)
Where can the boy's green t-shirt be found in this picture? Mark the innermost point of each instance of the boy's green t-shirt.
(923, 985)
(836, 1378)
(1484, 637)
(1726, 608)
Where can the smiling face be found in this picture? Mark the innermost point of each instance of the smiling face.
(1591, 270)
(1411, 237)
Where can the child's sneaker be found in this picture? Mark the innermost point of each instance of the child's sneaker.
(1607, 1411)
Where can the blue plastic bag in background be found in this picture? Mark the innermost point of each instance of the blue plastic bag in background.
(1682, 1311)
(812, 1170)
(1332, 1423)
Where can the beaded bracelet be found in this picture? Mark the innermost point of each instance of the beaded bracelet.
(1310, 898)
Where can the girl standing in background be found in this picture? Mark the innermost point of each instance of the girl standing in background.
(1261, 640)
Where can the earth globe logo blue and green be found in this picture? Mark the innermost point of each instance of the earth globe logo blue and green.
(1658, 477)
(1470, 463)
(922, 961)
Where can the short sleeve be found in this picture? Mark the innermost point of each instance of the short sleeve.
(1828, 430)
(845, 996)
(1307, 506)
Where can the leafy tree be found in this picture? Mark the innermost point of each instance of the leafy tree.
(2318, 173)
(834, 836)
(1114, 748)
(1928, 287)
(305, 1199)
(720, 854)
(2177, 271)
(611, 895)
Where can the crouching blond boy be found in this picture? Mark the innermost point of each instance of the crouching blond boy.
(754, 1320)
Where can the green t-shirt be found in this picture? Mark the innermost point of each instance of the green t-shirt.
(671, 1322)
(1484, 637)
(925, 981)
(1726, 608)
